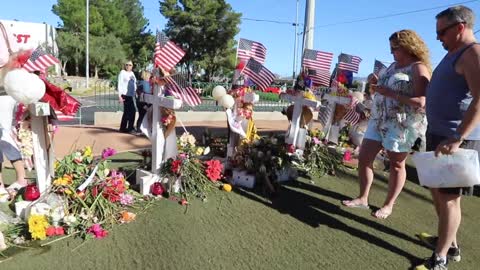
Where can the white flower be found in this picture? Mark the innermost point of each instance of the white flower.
(206, 151)
(69, 220)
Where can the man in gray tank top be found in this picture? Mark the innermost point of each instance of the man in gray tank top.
(453, 114)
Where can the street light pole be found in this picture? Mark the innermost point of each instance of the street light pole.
(295, 44)
(309, 25)
(87, 41)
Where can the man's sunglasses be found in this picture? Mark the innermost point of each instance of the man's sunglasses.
(444, 30)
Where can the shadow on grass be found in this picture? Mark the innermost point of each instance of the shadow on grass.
(314, 212)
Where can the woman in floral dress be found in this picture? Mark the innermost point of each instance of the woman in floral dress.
(397, 118)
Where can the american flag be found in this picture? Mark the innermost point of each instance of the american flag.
(352, 116)
(259, 74)
(317, 60)
(178, 86)
(349, 62)
(39, 60)
(251, 49)
(319, 77)
(166, 54)
(378, 66)
(64, 117)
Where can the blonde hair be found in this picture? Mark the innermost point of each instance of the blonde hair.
(410, 41)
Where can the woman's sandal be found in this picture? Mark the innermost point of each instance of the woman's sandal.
(14, 188)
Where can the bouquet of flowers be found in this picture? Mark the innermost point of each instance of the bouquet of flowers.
(317, 160)
(263, 158)
(86, 198)
(194, 177)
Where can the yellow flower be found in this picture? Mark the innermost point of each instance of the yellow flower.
(37, 224)
(63, 181)
(309, 96)
(87, 152)
(68, 191)
(55, 164)
(199, 151)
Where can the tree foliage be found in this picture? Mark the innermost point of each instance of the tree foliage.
(117, 31)
(206, 30)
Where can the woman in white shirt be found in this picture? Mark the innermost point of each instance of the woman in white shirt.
(127, 85)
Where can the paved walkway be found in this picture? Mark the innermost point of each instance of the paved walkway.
(69, 138)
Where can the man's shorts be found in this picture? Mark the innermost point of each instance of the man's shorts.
(8, 147)
(433, 141)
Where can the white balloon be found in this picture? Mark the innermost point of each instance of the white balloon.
(218, 92)
(227, 101)
(23, 86)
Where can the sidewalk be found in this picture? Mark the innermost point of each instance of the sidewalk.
(69, 138)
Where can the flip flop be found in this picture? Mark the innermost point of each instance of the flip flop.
(350, 204)
(4, 195)
(14, 188)
(381, 214)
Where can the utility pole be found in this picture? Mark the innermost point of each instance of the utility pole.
(86, 51)
(309, 25)
(295, 44)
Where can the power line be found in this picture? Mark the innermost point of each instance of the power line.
(270, 21)
(393, 14)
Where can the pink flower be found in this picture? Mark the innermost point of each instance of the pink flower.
(59, 231)
(108, 152)
(97, 230)
(126, 199)
(214, 169)
(316, 140)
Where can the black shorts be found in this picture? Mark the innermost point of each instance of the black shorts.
(433, 141)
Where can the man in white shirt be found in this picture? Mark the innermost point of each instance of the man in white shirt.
(127, 85)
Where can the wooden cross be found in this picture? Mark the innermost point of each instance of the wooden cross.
(293, 135)
(162, 148)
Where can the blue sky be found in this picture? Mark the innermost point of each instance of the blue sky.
(367, 39)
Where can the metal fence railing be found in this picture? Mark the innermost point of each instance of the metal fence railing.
(106, 99)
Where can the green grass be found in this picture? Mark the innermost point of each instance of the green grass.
(304, 228)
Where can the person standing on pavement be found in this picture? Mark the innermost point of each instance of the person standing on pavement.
(453, 114)
(127, 84)
(143, 88)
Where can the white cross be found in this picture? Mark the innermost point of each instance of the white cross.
(332, 131)
(162, 148)
(42, 144)
(292, 135)
(42, 153)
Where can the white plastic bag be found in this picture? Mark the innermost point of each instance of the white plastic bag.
(461, 169)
